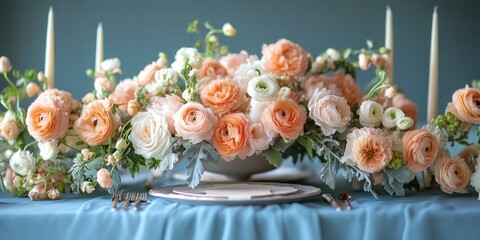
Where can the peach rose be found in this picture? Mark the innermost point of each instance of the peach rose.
(330, 112)
(104, 179)
(166, 106)
(452, 174)
(406, 105)
(124, 92)
(285, 117)
(212, 68)
(47, 116)
(420, 149)
(147, 75)
(222, 96)
(369, 149)
(465, 105)
(232, 61)
(194, 122)
(285, 58)
(230, 136)
(96, 124)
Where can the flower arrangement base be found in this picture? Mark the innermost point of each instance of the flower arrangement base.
(240, 170)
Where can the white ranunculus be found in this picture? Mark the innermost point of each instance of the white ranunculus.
(166, 76)
(23, 162)
(370, 114)
(246, 72)
(155, 88)
(391, 117)
(150, 136)
(333, 54)
(48, 150)
(284, 92)
(229, 30)
(111, 64)
(87, 187)
(405, 123)
(5, 65)
(186, 55)
(263, 88)
(397, 140)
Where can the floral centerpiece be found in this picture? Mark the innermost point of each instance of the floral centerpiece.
(210, 105)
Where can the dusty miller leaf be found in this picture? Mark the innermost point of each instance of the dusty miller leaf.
(168, 162)
(197, 155)
(329, 172)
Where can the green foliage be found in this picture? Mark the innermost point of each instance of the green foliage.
(274, 157)
(193, 27)
(453, 127)
(196, 155)
(84, 171)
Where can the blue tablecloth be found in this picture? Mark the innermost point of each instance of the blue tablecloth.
(426, 215)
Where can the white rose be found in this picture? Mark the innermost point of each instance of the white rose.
(166, 76)
(370, 114)
(111, 64)
(150, 136)
(191, 56)
(23, 162)
(391, 117)
(155, 88)
(404, 123)
(246, 72)
(5, 65)
(48, 150)
(333, 54)
(263, 88)
(330, 112)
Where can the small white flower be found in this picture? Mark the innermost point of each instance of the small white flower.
(391, 117)
(86, 154)
(87, 187)
(364, 61)
(390, 92)
(166, 76)
(121, 144)
(475, 177)
(191, 56)
(246, 72)
(284, 92)
(370, 114)
(48, 150)
(333, 54)
(229, 30)
(405, 123)
(319, 63)
(263, 88)
(5, 65)
(111, 64)
(23, 162)
(193, 73)
(155, 88)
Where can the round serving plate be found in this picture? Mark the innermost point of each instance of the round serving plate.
(281, 193)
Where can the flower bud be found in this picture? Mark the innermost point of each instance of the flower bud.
(364, 61)
(333, 54)
(5, 65)
(88, 98)
(187, 94)
(405, 123)
(378, 60)
(213, 39)
(133, 107)
(108, 104)
(32, 89)
(53, 194)
(104, 179)
(390, 92)
(121, 144)
(117, 154)
(41, 76)
(86, 154)
(110, 64)
(111, 160)
(12, 100)
(229, 30)
(87, 187)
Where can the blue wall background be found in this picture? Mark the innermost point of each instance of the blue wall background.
(135, 31)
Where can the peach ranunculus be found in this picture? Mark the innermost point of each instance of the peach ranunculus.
(420, 149)
(222, 96)
(453, 174)
(285, 117)
(212, 68)
(340, 84)
(406, 105)
(147, 75)
(465, 104)
(285, 58)
(330, 112)
(230, 136)
(104, 179)
(166, 106)
(195, 122)
(96, 124)
(124, 92)
(368, 149)
(47, 116)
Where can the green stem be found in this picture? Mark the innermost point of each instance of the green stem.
(28, 145)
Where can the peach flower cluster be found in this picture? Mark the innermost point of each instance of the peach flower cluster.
(420, 149)
(465, 105)
(285, 117)
(453, 174)
(285, 58)
(231, 135)
(222, 96)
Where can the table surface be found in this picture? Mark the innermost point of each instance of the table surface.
(426, 215)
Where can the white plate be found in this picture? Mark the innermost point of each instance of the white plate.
(282, 174)
(301, 192)
(238, 191)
